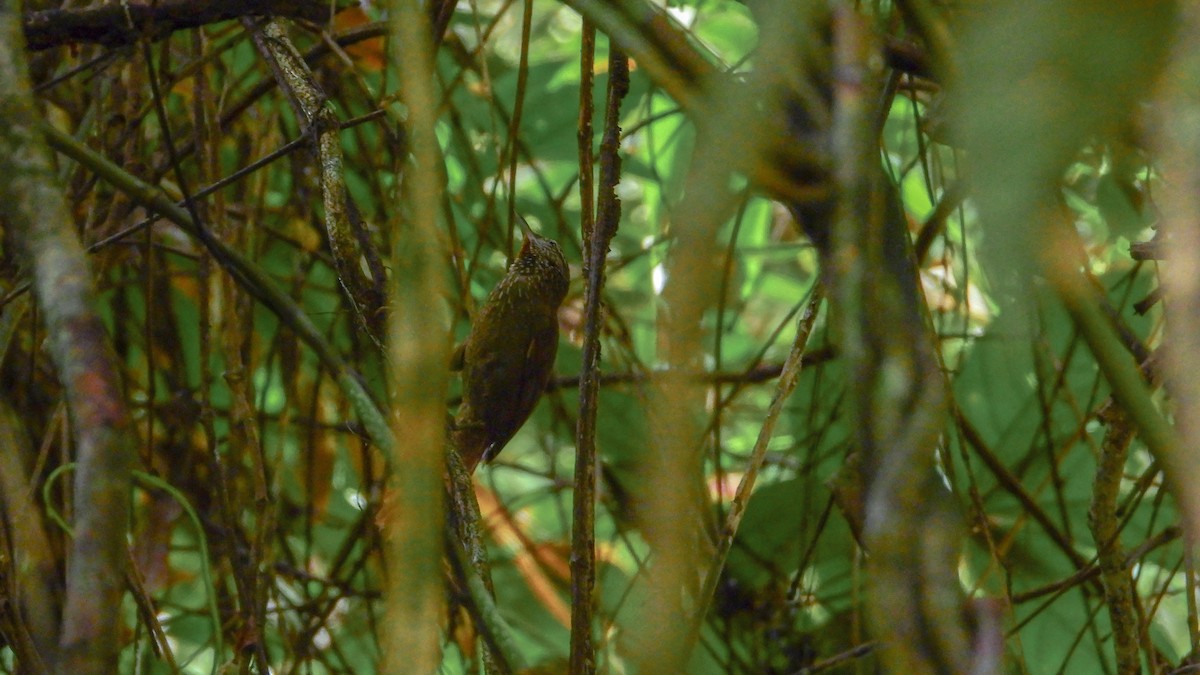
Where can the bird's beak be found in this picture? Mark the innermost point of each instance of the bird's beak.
(530, 236)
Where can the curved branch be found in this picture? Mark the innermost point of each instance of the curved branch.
(33, 205)
(120, 24)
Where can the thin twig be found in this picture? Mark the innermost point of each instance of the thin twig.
(741, 499)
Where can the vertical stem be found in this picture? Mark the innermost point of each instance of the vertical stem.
(583, 535)
(1105, 525)
(897, 393)
(587, 66)
(418, 350)
(1179, 143)
(33, 206)
(514, 127)
(583, 525)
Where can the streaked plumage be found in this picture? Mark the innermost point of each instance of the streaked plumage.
(508, 357)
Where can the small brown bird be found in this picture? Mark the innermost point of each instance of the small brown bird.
(507, 358)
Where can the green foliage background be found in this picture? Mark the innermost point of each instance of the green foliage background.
(287, 502)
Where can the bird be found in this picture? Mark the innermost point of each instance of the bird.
(508, 356)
